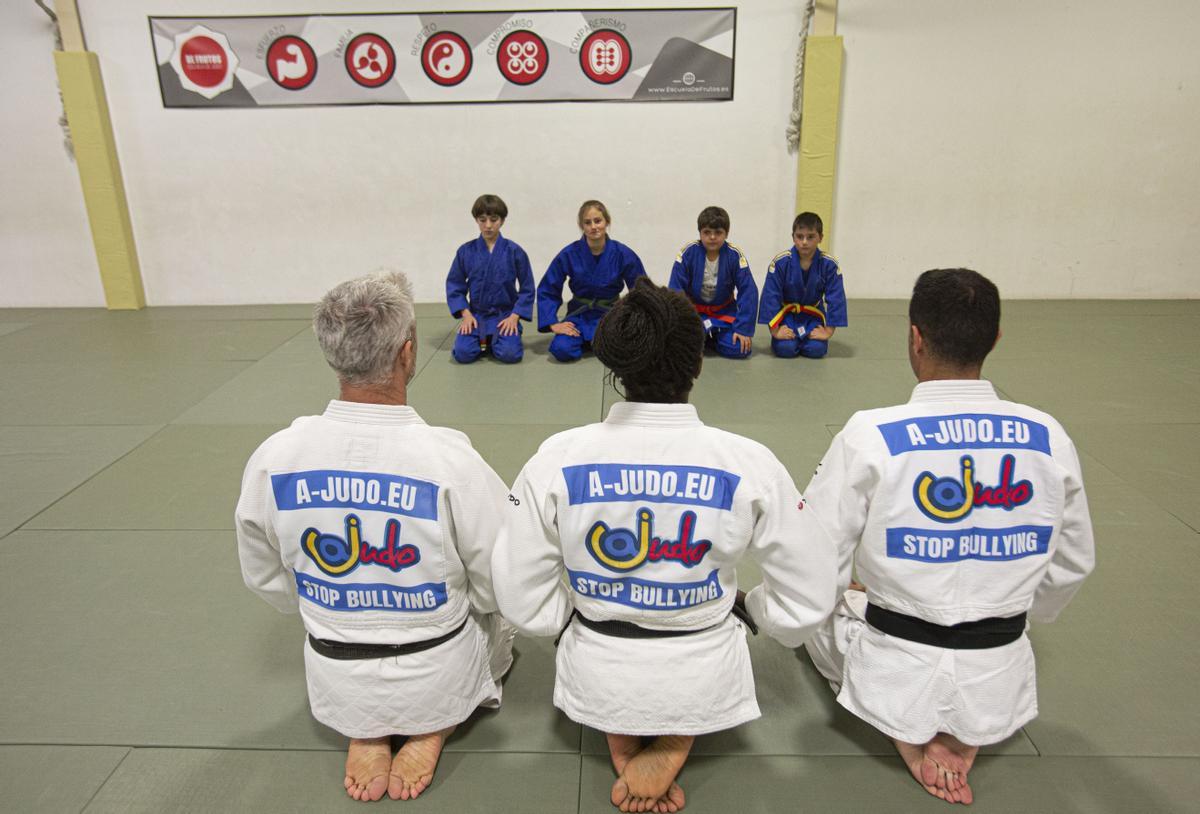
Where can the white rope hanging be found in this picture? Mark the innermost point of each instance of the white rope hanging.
(68, 145)
(793, 128)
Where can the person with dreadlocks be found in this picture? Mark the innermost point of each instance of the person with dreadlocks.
(597, 268)
(624, 537)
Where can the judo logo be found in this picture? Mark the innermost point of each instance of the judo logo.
(605, 56)
(623, 550)
(947, 500)
(340, 555)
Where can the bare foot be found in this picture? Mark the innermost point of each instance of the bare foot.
(933, 778)
(412, 769)
(622, 749)
(954, 758)
(367, 768)
(648, 776)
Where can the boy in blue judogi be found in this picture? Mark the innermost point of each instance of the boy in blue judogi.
(715, 276)
(802, 299)
(482, 288)
(597, 268)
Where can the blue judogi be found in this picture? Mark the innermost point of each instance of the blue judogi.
(487, 282)
(728, 312)
(596, 283)
(802, 300)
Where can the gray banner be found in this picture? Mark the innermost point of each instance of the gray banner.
(668, 55)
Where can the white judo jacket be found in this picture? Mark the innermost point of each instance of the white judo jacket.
(643, 518)
(378, 527)
(957, 506)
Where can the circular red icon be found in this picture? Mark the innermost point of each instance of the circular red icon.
(522, 57)
(370, 60)
(292, 63)
(605, 56)
(204, 61)
(446, 58)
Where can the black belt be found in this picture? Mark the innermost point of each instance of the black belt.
(345, 651)
(629, 630)
(981, 634)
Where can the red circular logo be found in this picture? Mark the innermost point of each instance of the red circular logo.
(292, 63)
(605, 56)
(522, 57)
(204, 61)
(446, 58)
(370, 60)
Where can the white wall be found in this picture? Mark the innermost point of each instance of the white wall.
(46, 255)
(1049, 143)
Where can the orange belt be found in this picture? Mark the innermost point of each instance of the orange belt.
(795, 308)
(712, 311)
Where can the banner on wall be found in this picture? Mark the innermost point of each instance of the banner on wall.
(632, 55)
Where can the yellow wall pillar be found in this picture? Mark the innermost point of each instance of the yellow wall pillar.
(86, 106)
(817, 165)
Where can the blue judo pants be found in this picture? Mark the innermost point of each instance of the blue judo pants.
(802, 345)
(469, 347)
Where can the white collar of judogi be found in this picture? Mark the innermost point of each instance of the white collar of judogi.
(360, 413)
(660, 415)
(954, 390)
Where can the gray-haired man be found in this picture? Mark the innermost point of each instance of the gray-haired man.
(379, 529)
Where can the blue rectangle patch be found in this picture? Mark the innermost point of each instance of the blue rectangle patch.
(965, 431)
(988, 545)
(644, 593)
(371, 596)
(366, 491)
(647, 483)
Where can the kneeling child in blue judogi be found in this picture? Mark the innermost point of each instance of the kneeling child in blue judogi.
(715, 276)
(482, 289)
(802, 299)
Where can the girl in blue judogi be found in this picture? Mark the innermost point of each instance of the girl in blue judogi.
(597, 268)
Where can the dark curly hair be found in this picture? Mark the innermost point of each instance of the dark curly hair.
(653, 341)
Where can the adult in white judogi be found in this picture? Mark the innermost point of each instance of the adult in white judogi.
(627, 534)
(379, 529)
(965, 515)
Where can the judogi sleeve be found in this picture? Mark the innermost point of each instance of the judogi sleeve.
(631, 267)
(1075, 550)
(835, 296)
(681, 275)
(747, 298)
(799, 565)
(527, 567)
(524, 272)
(772, 294)
(839, 496)
(475, 503)
(258, 549)
(456, 285)
(549, 292)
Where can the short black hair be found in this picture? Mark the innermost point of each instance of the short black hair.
(712, 217)
(957, 312)
(809, 220)
(489, 205)
(653, 341)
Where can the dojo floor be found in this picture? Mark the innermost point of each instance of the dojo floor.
(137, 673)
